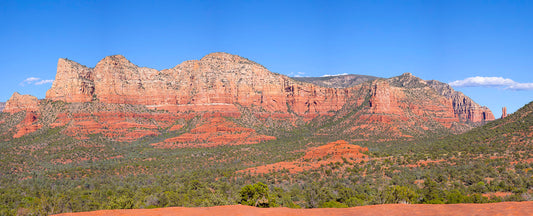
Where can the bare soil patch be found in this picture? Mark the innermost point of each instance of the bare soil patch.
(503, 208)
(335, 152)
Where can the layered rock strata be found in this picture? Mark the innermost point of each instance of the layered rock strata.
(464, 107)
(217, 82)
(74, 82)
(222, 84)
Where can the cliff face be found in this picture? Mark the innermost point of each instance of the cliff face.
(73, 83)
(464, 107)
(403, 107)
(217, 82)
(123, 101)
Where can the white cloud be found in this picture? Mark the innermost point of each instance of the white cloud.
(479, 81)
(44, 82)
(296, 74)
(35, 81)
(521, 86)
(329, 75)
(31, 79)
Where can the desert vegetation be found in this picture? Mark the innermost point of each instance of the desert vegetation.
(48, 172)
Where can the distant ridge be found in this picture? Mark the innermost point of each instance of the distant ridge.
(2, 105)
(337, 81)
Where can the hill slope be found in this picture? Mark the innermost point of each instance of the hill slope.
(510, 137)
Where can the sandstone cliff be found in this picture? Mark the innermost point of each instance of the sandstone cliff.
(218, 82)
(404, 106)
(124, 102)
(73, 83)
(464, 107)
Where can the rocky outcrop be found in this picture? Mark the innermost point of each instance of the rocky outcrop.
(504, 112)
(217, 131)
(28, 125)
(403, 107)
(73, 83)
(464, 107)
(218, 82)
(30, 105)
(383, 109)
(384, 99)
(336, 151)
(2, 105)
(339, 152)
(222, 84)
(115, 122)
(19, 102)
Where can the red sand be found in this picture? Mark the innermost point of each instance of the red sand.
(338, 151)
(503, 208)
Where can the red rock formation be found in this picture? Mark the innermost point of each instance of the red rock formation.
(119, 126)
(399, 107)
(28, 125)
(384, 99)
(504, 112)
(464, 108)
(339, 151)
(222, 84)
(216, 83)
(73, 83)
(336, 151)
(217, 131)
(175, 127)
(19, 102)
(220, 81)
(27, 103)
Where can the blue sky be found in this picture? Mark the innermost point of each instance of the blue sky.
(442, 40)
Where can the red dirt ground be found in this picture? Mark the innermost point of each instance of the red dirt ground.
(315, 157)
(503, 208)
